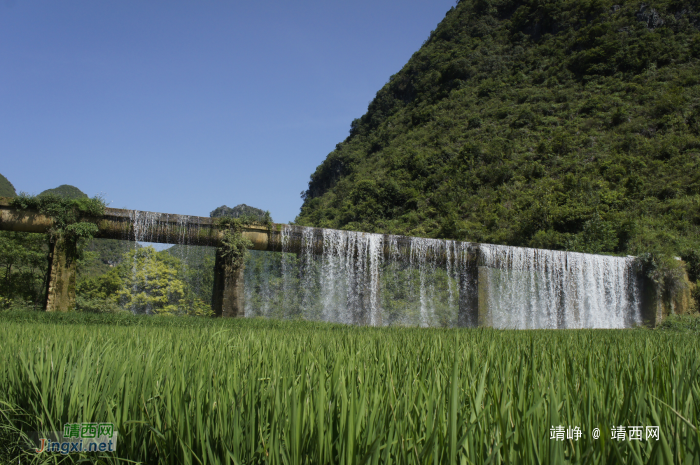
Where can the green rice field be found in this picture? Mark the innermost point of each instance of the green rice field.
(204, 391)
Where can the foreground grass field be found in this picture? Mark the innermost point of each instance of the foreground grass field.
(191, 391)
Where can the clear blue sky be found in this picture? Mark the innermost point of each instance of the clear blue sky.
(183, 106)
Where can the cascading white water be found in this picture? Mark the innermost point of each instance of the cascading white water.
(372, 279)
(375, 252)
(534, 288)
(436, 283)
(333, 276)
(144, 225)
(421, 249)
(149, 227)
(357, 278)
(349, 277)
(360, 278)
(341, 284)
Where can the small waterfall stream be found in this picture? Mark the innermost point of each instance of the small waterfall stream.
(148, 227)
(144, 227)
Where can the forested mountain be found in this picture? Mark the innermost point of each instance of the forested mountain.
(567, 125)
(237, 211)
(6, 187)
(66, 191)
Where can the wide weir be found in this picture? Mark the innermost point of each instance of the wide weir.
(496, 286)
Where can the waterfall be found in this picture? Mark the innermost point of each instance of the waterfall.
(178, 230)
(375, 252)
(144, 225)
(534, 288)
(358, 278)
(379, 280)
(333, 277)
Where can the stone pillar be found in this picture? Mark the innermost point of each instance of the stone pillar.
(227, 298)
(469, 294)
(651, 301)
(60, 292)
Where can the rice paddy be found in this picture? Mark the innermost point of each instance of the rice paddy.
(199, 391)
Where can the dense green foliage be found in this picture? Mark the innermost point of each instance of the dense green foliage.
(187, 390)
(102, 254)
(681, 323)
(566, 125)
(148, 282)
(6, 187)
(198, 266)
(153, 285)
(23, 260)
(66, 191)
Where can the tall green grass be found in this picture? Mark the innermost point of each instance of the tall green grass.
(187, 391)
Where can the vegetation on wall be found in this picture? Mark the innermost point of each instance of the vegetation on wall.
(24, 256)
(563, 125)
(66, 214)
(234, 247)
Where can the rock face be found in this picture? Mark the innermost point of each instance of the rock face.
(673, 298)
(649, 16)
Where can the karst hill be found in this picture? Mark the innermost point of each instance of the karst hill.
(564, 125)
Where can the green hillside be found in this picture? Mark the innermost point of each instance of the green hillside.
(237, 211)
(567, 125)
(66, 191)
(6, 187)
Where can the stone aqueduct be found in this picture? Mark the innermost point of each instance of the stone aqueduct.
(167, 228)
(228, 291)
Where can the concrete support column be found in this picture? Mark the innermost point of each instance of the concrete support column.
(468, 315)
(227, 298)
(60, 292)
(651, 302)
